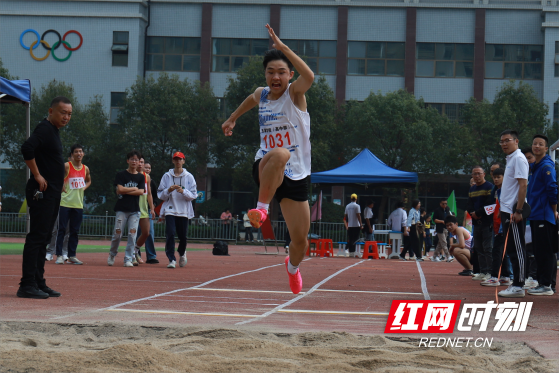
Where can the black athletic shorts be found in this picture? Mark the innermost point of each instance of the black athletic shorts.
(297, 190)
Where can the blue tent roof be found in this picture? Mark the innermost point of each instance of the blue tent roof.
(365, 168)
(15, 90)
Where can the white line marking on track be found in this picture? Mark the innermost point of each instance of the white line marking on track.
(219, 301)
(190, 288)
(423, 282)
(336, 312)
(248, 291)
(181, 313)
(111, 279)
(367, 291)
(288, 303)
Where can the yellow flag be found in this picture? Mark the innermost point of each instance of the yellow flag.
(23, 209)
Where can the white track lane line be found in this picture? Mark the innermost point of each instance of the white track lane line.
(183, 289)
(288, 303)
(336, 312)
(181, 313)
(109, 279)
(367, 291)
(423, 282)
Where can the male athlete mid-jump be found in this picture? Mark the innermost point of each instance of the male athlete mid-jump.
(282, 165)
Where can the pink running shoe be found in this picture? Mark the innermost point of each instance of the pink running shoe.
(295, 281)
(257, 217)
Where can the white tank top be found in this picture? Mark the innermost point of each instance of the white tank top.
(467, 241)
(283, 125)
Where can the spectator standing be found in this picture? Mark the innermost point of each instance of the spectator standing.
(151, 254)
(428, 239)
(354, 224)
(42, 153)
(130, 186)
(415, 240)
(226, 218)
(506, 261)
(70, 214)
(498, 238)
(397, 222)
(479, 197)
(177, 189)
(51, 249)
(542, 197)
(513, 197)
(532, 265)
(439, 215)
(368, 215)
(145, 226)
(248, 228)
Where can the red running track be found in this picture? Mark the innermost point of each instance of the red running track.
(251, 291)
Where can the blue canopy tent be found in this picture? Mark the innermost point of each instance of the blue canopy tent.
(365, 168)
(18, 92)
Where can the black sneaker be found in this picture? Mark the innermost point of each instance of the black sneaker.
(152, 261)
(31, 292)
(466, 272)
(50, 292)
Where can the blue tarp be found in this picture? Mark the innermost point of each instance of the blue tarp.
(365, 168)
(15, 90)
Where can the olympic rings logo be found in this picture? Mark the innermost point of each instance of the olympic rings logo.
(55, 46)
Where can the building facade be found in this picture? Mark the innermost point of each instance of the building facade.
(445, 51)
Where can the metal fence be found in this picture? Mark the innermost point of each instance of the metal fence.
(199, 229)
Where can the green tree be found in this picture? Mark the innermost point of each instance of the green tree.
(404, 134)
(166, 115)
(516, 107)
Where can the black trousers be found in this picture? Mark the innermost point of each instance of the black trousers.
(532, 264)
(248, 234)
(414, 244)
(515, 247)
(483, 246)
(42, 215)
(544, 239)
(352, 237)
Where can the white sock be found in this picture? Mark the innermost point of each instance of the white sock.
(291, 268)
(263, 206)
(136, 249)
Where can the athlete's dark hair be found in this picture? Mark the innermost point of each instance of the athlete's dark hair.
(370, 202)
(499, 171)
(443, 200)
(399, 204)
(541, 137)
(527, 150)
(451, 219)
(134, 153)
(274, 55)
(414, 203)
(513, 133)
(498, 164)
(422, 210)
(74, 147)
(55, 101)
(478, 166)
(146, 162)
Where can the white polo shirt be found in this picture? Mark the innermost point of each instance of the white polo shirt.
(517, 168)
(351, 211)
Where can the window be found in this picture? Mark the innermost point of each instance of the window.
(320, 55)
(444, 60)
(375, 58)
(117, 102)
(556, 111)
(120, 48)
(452, 111)
(504, 61)
(231, 54)
(173, 54)
(557, 59)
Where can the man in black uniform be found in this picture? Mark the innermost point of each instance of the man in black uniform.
(42, 153)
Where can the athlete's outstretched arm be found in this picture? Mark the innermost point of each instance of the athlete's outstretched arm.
(306, 78)
(250, 102)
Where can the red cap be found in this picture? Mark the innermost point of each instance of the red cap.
(178, 155)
